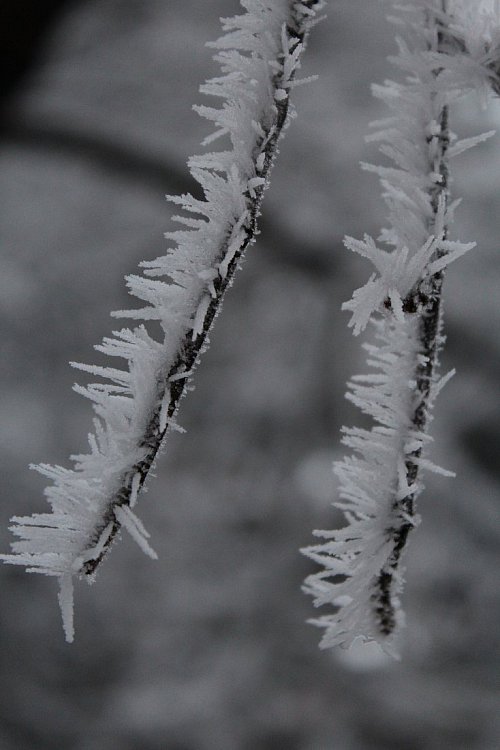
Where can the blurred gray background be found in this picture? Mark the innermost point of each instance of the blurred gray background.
(208, 649)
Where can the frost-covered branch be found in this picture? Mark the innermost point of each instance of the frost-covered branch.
(379, 483)
(471, 30)
(183, 290)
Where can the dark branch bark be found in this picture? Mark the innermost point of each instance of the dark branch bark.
(425, 301)
(191, 348)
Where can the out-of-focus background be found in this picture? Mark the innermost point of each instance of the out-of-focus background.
(208, 649)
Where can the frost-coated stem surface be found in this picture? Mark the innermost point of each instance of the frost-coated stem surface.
(259, 56)
(426, 301)
(380, 481)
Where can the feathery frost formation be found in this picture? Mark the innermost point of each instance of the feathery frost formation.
(182, 290)
(444, 52)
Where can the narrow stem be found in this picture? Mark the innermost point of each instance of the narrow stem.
(169, 385)
(426, 302)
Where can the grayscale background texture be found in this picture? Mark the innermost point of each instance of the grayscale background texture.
(209, 649)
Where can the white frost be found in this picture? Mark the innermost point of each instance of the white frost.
(65, 598)
(135, 528)
(374, 479)
(256, 57)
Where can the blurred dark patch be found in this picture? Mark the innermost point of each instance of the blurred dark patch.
(386, 737)
(251, 526)
(53, 690)
(277, 740)
(469, 351)
(23, 736)
(25, 26)
(482, 441)
(119, 158)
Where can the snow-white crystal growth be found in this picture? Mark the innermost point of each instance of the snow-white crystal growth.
(136, 405)
(374, 486)
(373, 482)
(399, 272)
(441, 60)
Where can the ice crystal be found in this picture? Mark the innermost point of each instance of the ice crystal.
(259, 54)
(443, 57)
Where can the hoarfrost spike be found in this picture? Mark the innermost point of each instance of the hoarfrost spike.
(259, 55)
(362, 576)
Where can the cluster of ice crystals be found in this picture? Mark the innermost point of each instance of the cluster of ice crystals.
(476, 24)
(371, 480)
(258, 57)
(443, 56)
(399, 272)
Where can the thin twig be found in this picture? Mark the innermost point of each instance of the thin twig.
(171, 385)
(426, 301)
